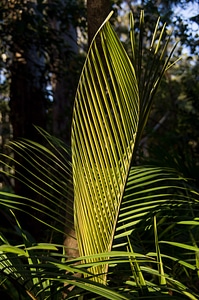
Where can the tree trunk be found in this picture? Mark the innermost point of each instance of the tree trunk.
(27, 100)
(64, 87)
(27, 108)
(97, 11)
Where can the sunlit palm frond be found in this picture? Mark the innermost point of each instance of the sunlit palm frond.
(150, 191)
(155, 193)
(111, 108)
(103, 137)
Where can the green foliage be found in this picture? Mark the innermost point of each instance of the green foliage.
(176, 129)
(137, 226)
(25, 22)
(107, 126)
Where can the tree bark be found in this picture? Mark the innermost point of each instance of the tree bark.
(97, 11)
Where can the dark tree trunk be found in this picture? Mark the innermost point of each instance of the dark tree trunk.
(27, 102)
(97, 11)
(64, 86)
(27, 108)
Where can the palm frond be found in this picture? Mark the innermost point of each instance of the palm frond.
(149, 191)
(111, 108)
(47, 172)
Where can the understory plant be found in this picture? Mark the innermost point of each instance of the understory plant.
(136, 226)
